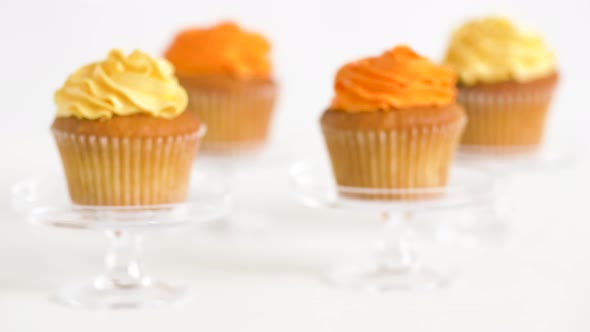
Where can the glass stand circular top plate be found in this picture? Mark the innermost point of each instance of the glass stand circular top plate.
(45, 200)
(549, 156)
(394, 264)
(123, 284)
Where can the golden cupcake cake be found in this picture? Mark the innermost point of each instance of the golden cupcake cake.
(123, 134)
(506, 78)
(392, 124)
(227, 72)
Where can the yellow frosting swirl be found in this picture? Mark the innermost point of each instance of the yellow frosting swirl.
(122, 85)
(493, 50)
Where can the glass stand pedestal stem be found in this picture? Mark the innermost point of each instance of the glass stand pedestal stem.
(123, 284)
(394, 264)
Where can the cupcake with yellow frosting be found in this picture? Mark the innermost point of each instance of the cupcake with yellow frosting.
(227, 72)
(393, 124)
(123, 134)
(506, 78)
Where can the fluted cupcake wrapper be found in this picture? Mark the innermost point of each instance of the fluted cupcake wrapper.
(505, 121)
(236, 120)
(382, 164)
(121, 171)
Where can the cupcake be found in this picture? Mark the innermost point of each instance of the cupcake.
(123, 134)
(227, 73)
(506, 78)
(393, 124)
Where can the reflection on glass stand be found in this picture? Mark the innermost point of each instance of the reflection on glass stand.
(123, 284)
(394, 264)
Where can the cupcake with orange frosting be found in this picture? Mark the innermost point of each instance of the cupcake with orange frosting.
(506, 78)
(123, 134)
(227, 72)
(393, 123)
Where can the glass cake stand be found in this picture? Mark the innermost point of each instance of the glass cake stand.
(394, 264)
(508, 164)
(233, 165)
(123, 284)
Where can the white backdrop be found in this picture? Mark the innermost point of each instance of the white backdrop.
(541, 285)
(43, 41)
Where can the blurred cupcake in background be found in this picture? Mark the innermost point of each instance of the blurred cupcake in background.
(123, 134)
(393, 124)
(506, 78)
(227, 73)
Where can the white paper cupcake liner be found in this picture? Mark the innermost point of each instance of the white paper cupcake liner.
(505, 120)
(392, 159)
(125, 171)
(235, 119)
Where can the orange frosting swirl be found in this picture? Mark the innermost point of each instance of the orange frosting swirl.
(222, 49)
(399, 78)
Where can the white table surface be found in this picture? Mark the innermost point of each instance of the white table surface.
(536, 281)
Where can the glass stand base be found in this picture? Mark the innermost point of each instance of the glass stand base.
(101, 293)
(376, 277)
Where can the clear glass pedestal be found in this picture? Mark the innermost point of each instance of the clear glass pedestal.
(394, 263)
(124, 282)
